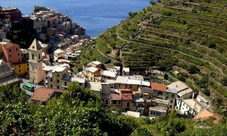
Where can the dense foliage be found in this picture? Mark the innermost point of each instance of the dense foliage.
(22, 33)
(79, 111)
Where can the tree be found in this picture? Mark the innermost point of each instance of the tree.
(152, 2)
(192, 69)
(224, 81)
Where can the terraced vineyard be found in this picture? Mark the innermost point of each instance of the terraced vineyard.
(185, 35)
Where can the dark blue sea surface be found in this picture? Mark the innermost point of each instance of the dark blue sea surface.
(95, 15)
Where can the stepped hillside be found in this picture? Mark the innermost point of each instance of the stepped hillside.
(189, 36)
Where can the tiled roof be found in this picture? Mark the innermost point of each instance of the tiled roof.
(126, 94)
(115, 96)
(159, 87)
(6, 69)
(10, 45)
(43, 94)
(205, 114)
(146, 89)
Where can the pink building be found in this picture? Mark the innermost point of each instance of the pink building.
(12, 53)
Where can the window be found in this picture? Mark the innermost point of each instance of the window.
(65, 83)
(119, 102)
(58, 87)
(160, 93)
(106, 102)
(16, 49)
(18, 59)
(33, 56)
(51, 80)
(134, 104)
(27, 68)
(58, 75)
(9, 55)
(114, 102)
(51, 86)
(172, 95)
(9, 50)
(171, 101)
(19, 71)
(39, 56)
(18, 54)
(128, 104)
(19, 66)
(57, 81)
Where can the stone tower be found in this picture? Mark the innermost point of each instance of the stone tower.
(35, 62)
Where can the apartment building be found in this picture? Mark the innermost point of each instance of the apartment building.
(56, 77)
(163, 92)
(12, 53)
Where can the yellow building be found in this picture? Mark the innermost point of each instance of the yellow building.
(56, 77)
(93, 74)
(21, 69)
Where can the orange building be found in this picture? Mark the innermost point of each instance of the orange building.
(12, 53)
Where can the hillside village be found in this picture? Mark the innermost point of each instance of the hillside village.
(47, 67)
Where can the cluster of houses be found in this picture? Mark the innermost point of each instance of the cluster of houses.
(130, 94)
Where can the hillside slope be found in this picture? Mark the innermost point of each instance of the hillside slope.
(185, 35)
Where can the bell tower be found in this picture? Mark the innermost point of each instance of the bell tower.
(35, 62)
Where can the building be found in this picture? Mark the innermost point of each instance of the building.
(158, 108)
(42, 95)
(56, 77)
(7, 75)
(12, 53)
(161, 91)
(183, 92)
(190, 107)
(108, 74)
(93, 74)
(126, 100)
(21, 69)
(115, 99)
(95, 87)
(35, 62)
(11, 13)
(130, 82)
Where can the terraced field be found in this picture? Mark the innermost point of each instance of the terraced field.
(185, 35)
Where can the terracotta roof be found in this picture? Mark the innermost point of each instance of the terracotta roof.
(10, 45)
(126, 94)
(159, 87)
(115, 96)
(43, 94)
(205, 114)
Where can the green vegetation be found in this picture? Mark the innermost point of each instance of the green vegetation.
(79, 111)
(100, 57)
(39, 8)
(187, 35)
(22, 33)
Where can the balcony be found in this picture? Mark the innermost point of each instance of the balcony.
(64, 86)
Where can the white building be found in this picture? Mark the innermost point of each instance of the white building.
(190, 107)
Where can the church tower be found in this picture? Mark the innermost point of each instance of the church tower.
(35, 62)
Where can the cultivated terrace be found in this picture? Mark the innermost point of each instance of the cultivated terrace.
(188, 36)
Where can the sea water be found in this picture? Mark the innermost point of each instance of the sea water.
(95, 15)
